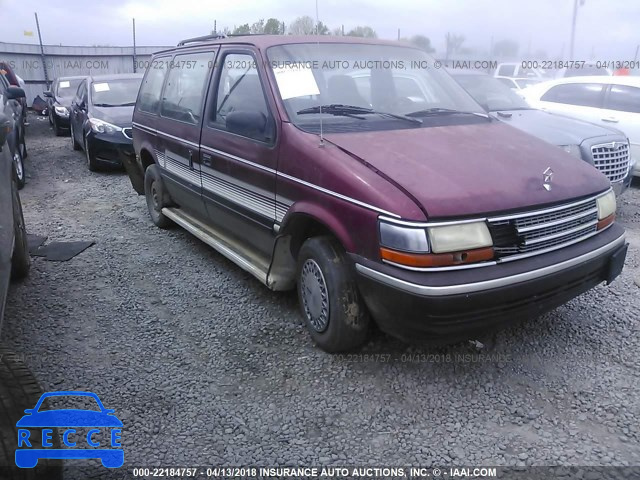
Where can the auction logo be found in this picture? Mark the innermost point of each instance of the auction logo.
(97, 436)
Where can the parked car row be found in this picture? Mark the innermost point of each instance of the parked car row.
(602, 146)
(97, 112)
(382, 195)
(13, 106)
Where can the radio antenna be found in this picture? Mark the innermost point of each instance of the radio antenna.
(318, 45)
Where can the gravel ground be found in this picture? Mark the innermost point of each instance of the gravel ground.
(205, 366)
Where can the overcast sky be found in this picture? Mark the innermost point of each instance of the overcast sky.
(606, 29)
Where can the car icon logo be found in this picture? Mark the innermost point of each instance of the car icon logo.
(85, 433)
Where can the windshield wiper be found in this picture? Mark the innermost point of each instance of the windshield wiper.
(444, 111)
(353, 111)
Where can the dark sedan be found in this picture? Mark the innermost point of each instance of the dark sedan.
(59, 100)
(14, 253)
(605, 148)
(100, 118)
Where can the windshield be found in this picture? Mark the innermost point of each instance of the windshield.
(384, 79)
(115, 93)
(491, 93)
(67, 87)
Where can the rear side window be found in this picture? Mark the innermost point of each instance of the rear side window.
(583, 94)
(151, 87)
(624, 98)
(184, 93)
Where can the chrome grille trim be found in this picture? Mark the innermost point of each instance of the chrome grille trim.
(611, 160)
(541, 231)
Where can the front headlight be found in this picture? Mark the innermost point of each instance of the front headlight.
(459, 237)
(606, 205)
(100, 126)
(572, 150)
(60, 110)
(437, 246)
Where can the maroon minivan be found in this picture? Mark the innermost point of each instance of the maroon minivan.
(358, 172)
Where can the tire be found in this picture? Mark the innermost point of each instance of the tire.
(20, 261)
(92, 163)
(58, 131)
(18, 167)
(331, 305)
(74, 144)
(19, 390)
(156, 196)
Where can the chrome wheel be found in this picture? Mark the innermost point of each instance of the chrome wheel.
(17, 162)
(315, 295)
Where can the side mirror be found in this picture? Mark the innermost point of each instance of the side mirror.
(48, 93)
(14, 93)
(247, 123)
(5, 128)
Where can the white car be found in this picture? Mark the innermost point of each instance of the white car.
(613, 101)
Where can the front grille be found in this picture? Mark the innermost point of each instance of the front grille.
(128, 132)
(612, 159)
(528, 232)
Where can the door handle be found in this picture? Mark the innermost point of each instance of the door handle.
(610, 119)
(191, 159)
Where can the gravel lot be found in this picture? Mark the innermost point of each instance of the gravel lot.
(205, 366)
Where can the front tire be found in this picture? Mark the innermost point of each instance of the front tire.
(156, 196)
(331, 305)
(74, 144)
(18, 167)
(20, 261)
(92, 163)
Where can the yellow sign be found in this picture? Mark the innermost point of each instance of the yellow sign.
(28, 33)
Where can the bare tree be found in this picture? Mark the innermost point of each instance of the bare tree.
(302, 26)
(422, 42)
(363, 31)
(273, 26)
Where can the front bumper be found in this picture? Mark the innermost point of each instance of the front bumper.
(109, 148)
(459, 304)
(62, 121)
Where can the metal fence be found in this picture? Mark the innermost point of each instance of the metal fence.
(27, 62)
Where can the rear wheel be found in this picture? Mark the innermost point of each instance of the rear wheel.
(156, 196)
(20, 261)
(56, 128)
(330, 302)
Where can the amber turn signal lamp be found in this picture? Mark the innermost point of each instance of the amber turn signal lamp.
(436, 259)
(605, 222)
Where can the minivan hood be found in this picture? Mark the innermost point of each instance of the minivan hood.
(552, 128)
(465, 170)
(120, 116)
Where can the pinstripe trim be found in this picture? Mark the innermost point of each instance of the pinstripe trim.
(175, 166)
(252, 201)
(279, 209)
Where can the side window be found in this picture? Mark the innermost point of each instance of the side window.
(80, 92)
(184, 93)
(624, 98)
(583, 94)
(240, 104)
(151, 88)
(507, 70)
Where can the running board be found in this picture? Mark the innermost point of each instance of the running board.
(238, 254)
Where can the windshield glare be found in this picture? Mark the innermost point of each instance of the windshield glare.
(398, 80)
(115, 92)
(67, 87)
(491, 93)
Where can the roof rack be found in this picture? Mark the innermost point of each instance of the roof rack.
(204, 38)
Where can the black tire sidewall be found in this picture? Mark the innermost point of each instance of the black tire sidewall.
(20, 261)
(152, 179)
(20, 180)
(349, 321)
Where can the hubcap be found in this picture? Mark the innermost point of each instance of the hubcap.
(17, 160)
(315, 296)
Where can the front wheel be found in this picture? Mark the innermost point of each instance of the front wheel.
(156, 196)
(18, 166)
(331, 304)
(20, 261)
(92, 162)
(74, 144)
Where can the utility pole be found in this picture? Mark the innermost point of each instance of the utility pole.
(134, 46)
(635, 57)
(576, 4)
(44, 61)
